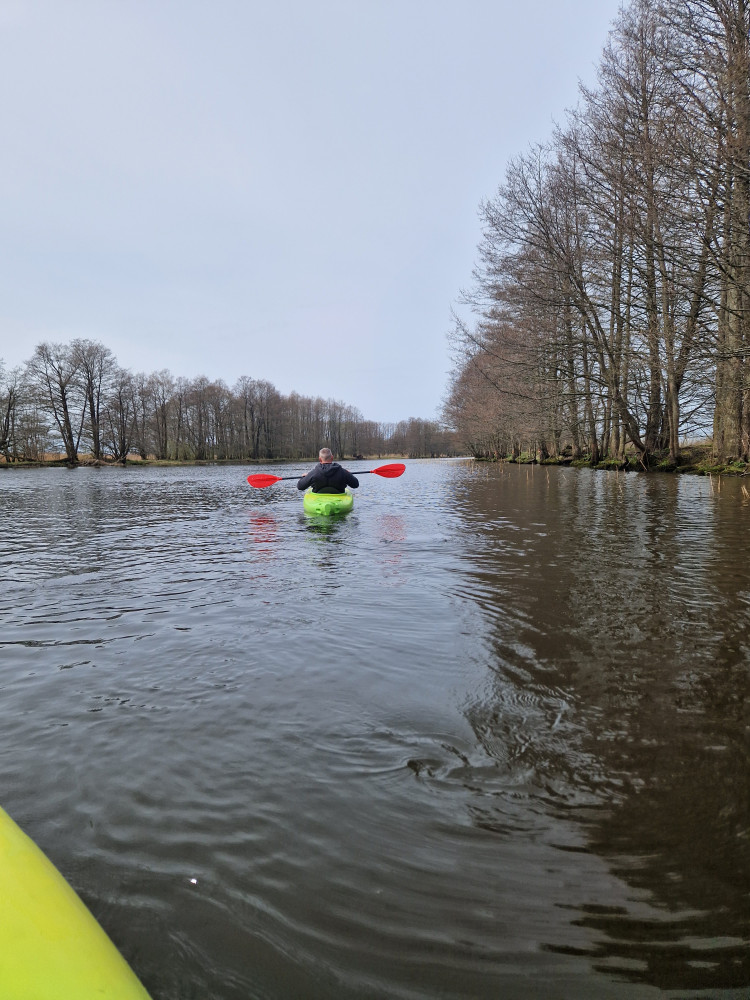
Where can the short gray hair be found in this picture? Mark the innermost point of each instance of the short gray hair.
(325, 453)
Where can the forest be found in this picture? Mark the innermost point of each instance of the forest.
(73, 402)
(609, 309)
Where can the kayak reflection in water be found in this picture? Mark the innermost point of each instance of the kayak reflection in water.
(328, 476)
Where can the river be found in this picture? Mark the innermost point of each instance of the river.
(487, 736)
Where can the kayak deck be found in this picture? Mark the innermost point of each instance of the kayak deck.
(327, 504)
(51, 947)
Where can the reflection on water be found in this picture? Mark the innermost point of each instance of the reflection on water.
(326, 527)
(264, 537)
(391, 536)
(488, 735)
(621, 697)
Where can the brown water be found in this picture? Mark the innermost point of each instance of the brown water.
(488, 736)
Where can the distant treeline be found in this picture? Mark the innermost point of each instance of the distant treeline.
(612, 289)
(75, 399)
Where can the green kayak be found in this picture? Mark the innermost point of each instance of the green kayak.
(327, 503)
(51, 947)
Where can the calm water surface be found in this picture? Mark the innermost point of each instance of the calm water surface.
(486, 737)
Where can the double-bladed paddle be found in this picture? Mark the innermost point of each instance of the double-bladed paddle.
(387, 471)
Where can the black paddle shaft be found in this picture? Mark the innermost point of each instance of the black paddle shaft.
(281, 479)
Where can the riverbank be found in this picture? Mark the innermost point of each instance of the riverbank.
(140, 463)
(697, 460)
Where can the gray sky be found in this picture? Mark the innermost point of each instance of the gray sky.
(286, 190)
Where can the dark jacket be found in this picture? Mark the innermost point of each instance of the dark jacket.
(329, 478)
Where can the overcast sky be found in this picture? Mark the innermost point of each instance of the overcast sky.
(285, 189)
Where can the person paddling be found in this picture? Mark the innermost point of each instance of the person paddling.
(328, 476)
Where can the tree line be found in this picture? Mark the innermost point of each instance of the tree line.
(611, 295)
(75, 399)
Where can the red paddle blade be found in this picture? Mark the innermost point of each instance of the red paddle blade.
(263, 479)
(390, 471)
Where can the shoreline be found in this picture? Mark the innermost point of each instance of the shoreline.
(693, 461)
(138, 463)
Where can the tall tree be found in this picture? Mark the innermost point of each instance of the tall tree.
(96, 366)
(119, 411)
(53, 372)
(9, 400)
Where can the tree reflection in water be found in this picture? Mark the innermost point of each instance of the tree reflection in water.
(617, 620)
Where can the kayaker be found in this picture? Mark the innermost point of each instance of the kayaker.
(328, 476)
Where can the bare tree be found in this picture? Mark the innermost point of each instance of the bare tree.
(96, 366)
(120, 415)
(160, 389)
(9, 398)
(53, 372)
